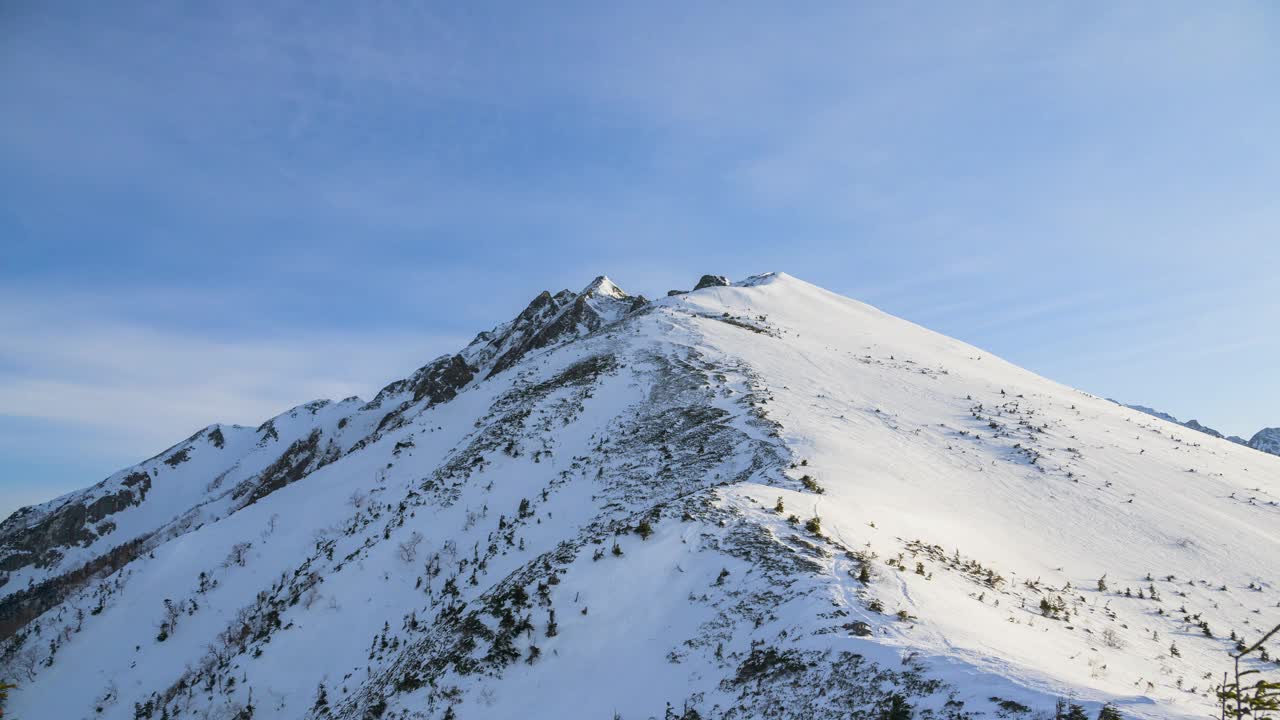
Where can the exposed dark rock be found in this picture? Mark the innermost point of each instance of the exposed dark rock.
(109, 505)
(569, 322)
(269, 432)
(859, 628)
(43, 543)
(302, 457)
(443, 381)
(22, 606)
(136, 478)
(711, 281)
(178, 458)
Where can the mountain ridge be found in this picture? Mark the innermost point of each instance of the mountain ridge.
(1266, 440)
(828, 511)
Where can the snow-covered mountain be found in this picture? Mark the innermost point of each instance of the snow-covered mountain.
(749, 500)
(1267, 440)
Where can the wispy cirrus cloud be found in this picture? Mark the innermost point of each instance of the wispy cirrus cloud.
(347, 189)
(65, 361)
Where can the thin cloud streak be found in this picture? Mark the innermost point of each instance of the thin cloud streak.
(152, 385)
(366, 182)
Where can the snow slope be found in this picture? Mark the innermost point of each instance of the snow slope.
(616, 507)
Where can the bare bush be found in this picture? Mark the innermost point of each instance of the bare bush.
(409, 548)
(239, 554)
(1112, 639)
(272, 523)
(22, 665)
(169, 619)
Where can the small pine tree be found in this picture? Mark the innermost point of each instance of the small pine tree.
(811, 485)
(814, 525)
(617, 549)
(898, 709)
(1239, 698)
(1173, 650)
(864, 575)
(1102, 583)
(778, 506)
(1109, 712)
(1069, 711)
(644, 529)
(322, 699)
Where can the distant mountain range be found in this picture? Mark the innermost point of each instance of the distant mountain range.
(1266, 440)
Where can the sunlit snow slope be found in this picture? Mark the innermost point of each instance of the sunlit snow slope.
(755, 500)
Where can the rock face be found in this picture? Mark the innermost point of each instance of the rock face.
(759, 501)
(599, 304)
(711, 281)
(1267, 440)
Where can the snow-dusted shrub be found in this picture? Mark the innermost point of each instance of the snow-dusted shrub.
(408, 549)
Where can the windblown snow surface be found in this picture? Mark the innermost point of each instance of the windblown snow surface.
(664, 510)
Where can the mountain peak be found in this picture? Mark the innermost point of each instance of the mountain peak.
(762, 500)
(603, 286)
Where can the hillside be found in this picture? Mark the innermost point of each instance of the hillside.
(757, 500)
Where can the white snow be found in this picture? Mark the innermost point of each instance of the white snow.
(912, 436)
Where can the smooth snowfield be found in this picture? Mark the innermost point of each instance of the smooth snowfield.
(970, 491)
(878, 405)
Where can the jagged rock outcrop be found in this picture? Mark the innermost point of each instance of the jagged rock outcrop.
(599, 304)
(707, 281)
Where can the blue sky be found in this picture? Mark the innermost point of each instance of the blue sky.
(214, 212)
